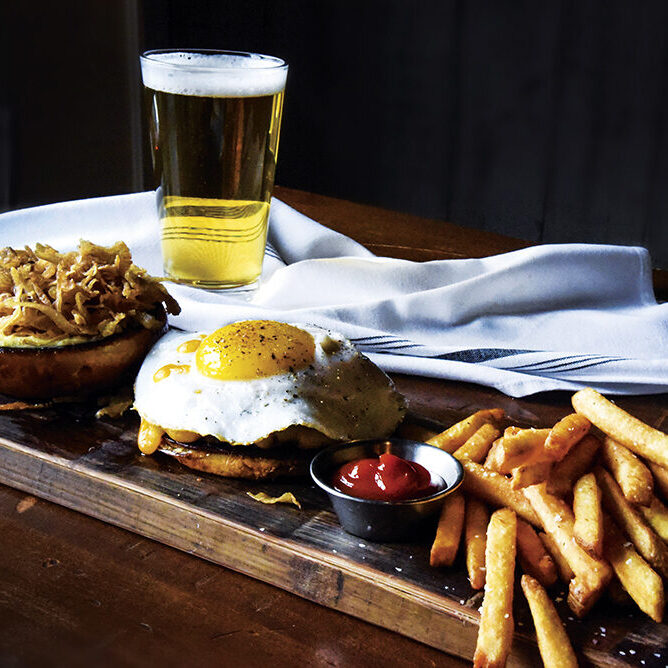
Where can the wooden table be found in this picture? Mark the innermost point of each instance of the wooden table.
(76, 591)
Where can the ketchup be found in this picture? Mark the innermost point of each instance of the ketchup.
(386, 478)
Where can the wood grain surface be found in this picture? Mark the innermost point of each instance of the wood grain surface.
(66, 455)
(96, 468)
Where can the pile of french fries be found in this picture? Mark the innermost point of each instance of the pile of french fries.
(578, 502)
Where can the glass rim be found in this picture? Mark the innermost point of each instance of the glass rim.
(269, 62)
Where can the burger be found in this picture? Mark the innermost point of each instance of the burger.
(255, 398)
(75, 323)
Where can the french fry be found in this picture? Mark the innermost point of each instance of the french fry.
(631, 474)
(553, 643)
(591, 574)
(448, 532)
(495, 635)
(642, 583)
(521, 447)
(577, 462)
(477, 447)
(455, 436)
(494, 456)
(532, 555)
(648, 544)
(588, 527)
(565, 571)
(660, 478)
(526, 447)
(564, 435)
(496, 490)
(656, 515)
(475, 537)
(622, 427)
(530, 474)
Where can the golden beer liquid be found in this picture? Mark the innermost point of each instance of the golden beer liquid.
(214, 159)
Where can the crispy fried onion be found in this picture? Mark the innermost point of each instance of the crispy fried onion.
(286, 497)
(95, 291)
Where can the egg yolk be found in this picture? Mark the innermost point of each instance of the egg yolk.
(254, 349)
(164, 371)
(189, 346)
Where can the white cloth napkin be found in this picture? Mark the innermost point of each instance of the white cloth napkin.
(543, 318)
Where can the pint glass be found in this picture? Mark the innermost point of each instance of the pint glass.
(214, 124)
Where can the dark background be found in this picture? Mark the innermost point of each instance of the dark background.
(541, 120)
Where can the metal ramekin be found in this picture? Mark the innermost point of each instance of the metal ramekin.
(386, 521)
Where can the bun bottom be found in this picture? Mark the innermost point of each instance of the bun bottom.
(75, 370)
(241, 461)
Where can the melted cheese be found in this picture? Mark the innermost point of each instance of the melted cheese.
(182, 435)
(149, 437)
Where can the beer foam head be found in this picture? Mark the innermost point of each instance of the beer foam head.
(217, 74)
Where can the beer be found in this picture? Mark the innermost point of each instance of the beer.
(215, 122)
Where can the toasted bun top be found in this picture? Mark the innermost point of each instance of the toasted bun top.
(83, 368)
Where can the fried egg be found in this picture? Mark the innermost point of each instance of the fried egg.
(253, 379)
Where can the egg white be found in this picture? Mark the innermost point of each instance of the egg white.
(343, 395)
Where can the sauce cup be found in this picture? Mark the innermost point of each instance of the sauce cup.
(386, 521)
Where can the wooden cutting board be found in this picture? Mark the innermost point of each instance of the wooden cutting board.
(66, 455)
